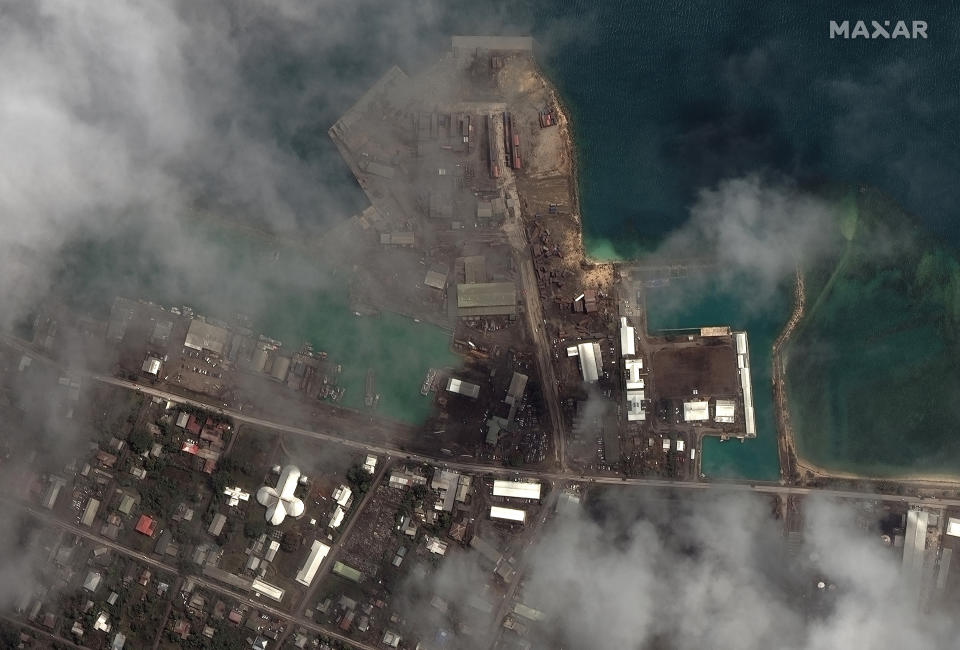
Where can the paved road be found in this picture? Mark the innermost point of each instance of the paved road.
(199, 579)
(335, 437)
(538, 331)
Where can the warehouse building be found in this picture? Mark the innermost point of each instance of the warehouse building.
(508, 514)
(267, 589)
(725, 411)
(455, 385)
(487, 299)
(516, 489)
(696, 411)
(318, 551)
(204, 336)
(628, 339)
(591, 363)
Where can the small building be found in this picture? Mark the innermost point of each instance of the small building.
(337, 517)
(696, 411)
(151, 366)
(216, 526)
(455, 385)
(126, 504)
(508, 514)
(342, 495)
(267, 589)
(591, 363)
(391, 639)
(632, 369)
(90, 512)
(92, 582)
(348, 572)
(635, 410)
(146, 525)
(182, 418)
(435, 545)
(435, 280)
(518, 384)
(370, 464)
(204, 336)
(725, 411)
(318, 551)
(486, 299)
(628, 339)
(953, 527)
(517, 489)
(272, 549)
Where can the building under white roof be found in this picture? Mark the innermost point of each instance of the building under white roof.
(516, 489)
(914, 550)
(271, 551)
(509, 514)
(236, 495)
(370, 464)
(632, 369)
(455, 385)
(267, 589)
(725, 410)
(342, 495)
(953, 527)
(628, 341)
(182, 419)
(90, 512)
(204, 336)
(151, 366)
(280, 501)
(318, 551)
(436, 546)
(696, 411)
(635, 410)
(92, 581)
(591, 364)
(337, 517)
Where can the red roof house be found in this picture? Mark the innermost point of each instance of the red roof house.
(146, 525)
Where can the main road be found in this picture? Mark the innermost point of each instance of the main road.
(336, 437)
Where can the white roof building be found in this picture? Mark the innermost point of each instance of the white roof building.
(204, 336)
(280, 501)
(628, 339)
(632, 369)
(342, 495)
(337, 518)
(318, 551)
(436, 546)
(370, 464)
(953, 527)
(635, 410)
(509, 514)
(182, 419)
(236, 495)
(267, 589)
(92, 581)
(455, 385)
(696, 411)
(151, 366)
(591, 363)
(516, 489)
(725, 410)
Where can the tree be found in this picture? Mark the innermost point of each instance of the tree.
(254, 528)
(358, 478)
(140, 440)
(291, 541)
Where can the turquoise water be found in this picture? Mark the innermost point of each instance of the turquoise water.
(699, 301)
(291, 298)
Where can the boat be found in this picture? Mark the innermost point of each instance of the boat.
(369, 396)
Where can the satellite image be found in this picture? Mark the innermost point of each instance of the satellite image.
(446, 325)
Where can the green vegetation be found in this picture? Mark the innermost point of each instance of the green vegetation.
(254, 528)
(160, 497)
(359, 479)
(140, 440)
